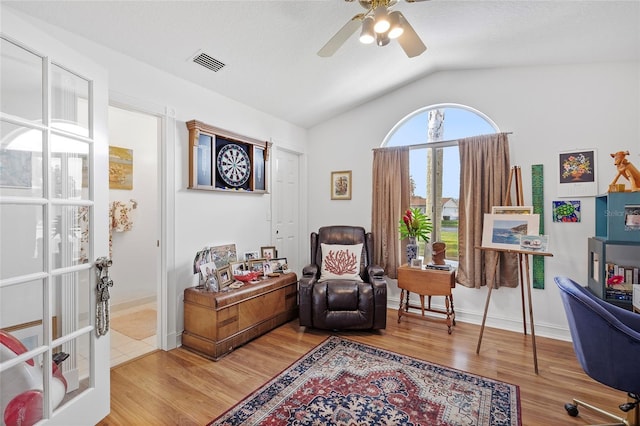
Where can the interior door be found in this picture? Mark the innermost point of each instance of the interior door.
(53, 222)
(286, 208)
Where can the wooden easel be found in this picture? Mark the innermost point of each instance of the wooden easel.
(515, 174)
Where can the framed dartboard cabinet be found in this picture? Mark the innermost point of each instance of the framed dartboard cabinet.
(225, 161)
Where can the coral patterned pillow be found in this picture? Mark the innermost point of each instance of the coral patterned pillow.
(340, 262)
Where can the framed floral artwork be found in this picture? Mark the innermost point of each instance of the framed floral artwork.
(577, 173)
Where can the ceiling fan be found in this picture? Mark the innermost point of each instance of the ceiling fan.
(380, 25)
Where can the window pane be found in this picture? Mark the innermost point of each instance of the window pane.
(71, 303)
(70, 236)
(15, 381)
(21, 243)
(435, 170)
(20, 161)
(76, 369)
(20, 82)
(21, 313)
(69, 101)
(69, 177)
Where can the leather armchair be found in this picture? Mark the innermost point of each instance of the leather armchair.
(343, 304)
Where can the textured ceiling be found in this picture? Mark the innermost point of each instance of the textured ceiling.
(269, 47)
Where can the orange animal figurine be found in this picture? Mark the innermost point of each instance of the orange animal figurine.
(626, 170)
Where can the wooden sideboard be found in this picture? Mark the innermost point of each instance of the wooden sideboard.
(217, 323)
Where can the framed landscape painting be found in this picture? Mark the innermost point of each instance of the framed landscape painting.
(503, 231)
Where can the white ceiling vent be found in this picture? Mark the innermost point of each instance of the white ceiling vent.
(208, 62)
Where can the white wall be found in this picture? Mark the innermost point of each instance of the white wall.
(548, 109)
(201, 217)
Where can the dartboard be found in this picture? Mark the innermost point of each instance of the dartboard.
(234, 165)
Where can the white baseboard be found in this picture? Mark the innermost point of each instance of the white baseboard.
(509, 324)
(132, 303)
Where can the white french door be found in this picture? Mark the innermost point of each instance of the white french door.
(53, 225)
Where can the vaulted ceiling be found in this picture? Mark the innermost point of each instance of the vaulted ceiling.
(268, 47)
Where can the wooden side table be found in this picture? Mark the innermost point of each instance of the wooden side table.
(427, 282)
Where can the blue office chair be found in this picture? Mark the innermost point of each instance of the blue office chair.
(606, 339)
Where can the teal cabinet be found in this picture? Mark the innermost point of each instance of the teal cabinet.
(616, 243)
(611, 214)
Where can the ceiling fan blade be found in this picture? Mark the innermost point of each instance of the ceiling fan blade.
(409, 40)
(341, 36)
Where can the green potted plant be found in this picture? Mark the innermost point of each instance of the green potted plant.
(416, 226)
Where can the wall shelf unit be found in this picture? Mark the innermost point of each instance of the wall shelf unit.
(220, 160)
(616, 243)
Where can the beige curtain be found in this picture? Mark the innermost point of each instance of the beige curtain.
(484, 174)
(391, 195)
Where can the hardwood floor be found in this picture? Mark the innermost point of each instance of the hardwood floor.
(180, 388)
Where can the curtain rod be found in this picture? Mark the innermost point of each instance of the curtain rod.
(439, 143)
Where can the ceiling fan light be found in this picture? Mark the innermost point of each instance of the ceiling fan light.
(382, 19)
(367, 36)
(382, 39)
(395, 29)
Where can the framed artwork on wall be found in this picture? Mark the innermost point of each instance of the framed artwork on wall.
(341, 185)
(120, 168)
(577, 173)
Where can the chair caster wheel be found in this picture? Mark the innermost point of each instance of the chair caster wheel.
(572, 409)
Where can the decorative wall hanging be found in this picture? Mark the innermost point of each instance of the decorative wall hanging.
(120, 168)
(577, 173)
(226, 161)
(566, 211)
(537, 196)
(341, 185)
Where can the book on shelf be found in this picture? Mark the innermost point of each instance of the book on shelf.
(629, 274)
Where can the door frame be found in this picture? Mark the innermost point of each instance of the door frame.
(166, 202)
(302, 202)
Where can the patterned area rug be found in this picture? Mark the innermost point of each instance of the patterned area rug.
(341, 382)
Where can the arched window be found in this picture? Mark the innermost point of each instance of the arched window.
(432, 133)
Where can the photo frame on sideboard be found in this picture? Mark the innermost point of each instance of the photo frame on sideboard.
(268, 252)
(224, 276)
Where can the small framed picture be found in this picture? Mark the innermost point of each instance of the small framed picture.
(268, 252)
(632, 218)
(341, 185)
(249, 255)
(416, 263)
(224, 276)
(534, 242)
(256, 265)
(279, 264)
(207, 270)
(237, 268)
(512, 210)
